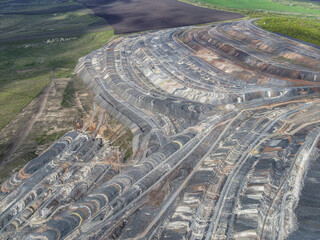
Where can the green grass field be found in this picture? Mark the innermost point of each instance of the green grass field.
(25, 67)
(267, 5)
(54, 41)
(34, 5)
(19, 25)
(17, 94)
(307, 30)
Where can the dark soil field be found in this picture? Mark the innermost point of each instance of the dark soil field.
(127, 16)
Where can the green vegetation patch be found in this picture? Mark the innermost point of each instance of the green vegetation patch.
(34, 5)
(44, 138)
(25, 67)
(125, 142)
(68, 95)
(309, 4)
(15, 95)
(265, 5)
(21, 25)
(305, 29)
(14, 166)
(21, 60)
(63, 73)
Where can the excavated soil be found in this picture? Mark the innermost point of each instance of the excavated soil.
(127, 16)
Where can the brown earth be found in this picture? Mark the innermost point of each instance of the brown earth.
(44, 120)
(40, 123)
(127, 16)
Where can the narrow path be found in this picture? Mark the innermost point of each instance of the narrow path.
(23, 131)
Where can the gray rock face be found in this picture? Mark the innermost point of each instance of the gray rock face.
(227, 118)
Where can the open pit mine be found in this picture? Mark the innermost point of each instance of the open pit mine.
(226, 125)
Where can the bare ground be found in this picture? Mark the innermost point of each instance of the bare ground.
(44, 120)
(127, 16)
(35, 128)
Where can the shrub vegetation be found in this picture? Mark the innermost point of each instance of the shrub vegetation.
(305, 29)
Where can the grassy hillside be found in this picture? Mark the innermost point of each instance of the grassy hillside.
(25, 67)
(301, 28)
(37, 36)
(21, 25)
(267, 5)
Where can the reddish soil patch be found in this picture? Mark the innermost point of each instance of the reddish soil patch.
(128, 16)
